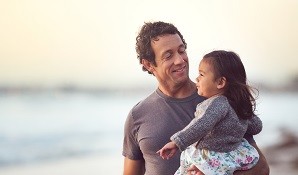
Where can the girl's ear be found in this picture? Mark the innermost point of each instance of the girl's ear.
(147, 65)
(221, 82)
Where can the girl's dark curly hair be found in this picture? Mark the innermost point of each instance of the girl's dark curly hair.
(239, 94)
(150, 31)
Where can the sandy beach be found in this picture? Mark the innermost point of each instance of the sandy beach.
(282, 156)
(91, 165)
(279, 162)
(100, 165)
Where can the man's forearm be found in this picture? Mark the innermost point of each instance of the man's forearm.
(133, 167)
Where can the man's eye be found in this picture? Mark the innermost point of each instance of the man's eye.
(168, 55)
(182, 50)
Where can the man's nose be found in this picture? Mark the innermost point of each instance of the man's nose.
(179, 59)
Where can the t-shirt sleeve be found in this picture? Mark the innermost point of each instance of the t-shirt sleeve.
(131, 147)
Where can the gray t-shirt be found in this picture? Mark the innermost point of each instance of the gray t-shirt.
(151, 123)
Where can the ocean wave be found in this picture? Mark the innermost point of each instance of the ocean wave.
(29, 149)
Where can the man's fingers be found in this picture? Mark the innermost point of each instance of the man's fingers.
(193, 170)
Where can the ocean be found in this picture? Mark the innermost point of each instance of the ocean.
(47, 126)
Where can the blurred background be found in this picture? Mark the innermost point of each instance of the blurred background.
(69, 75)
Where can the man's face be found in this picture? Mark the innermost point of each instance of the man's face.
(171, 60)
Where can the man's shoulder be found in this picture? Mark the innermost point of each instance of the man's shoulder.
(148, 102)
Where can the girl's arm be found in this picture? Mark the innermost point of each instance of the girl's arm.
(200, 126)
(254, 126)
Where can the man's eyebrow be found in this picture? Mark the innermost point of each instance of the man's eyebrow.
(170, 50)
(182, 45)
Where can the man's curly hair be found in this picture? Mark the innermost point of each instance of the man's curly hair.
(150, 31)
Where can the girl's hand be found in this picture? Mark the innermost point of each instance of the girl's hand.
(168, 150)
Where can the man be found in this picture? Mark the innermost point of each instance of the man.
(161, 50)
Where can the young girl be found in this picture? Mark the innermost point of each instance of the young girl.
(213, 141)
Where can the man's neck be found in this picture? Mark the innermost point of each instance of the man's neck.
(179, 91)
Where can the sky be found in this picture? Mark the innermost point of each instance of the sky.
(92, 42)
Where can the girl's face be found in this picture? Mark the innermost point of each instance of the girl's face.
(206, 84)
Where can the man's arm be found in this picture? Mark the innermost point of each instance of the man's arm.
(133, 167)
(261, 167)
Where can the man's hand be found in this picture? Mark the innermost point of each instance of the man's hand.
(193, 170)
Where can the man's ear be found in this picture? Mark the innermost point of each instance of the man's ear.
(147, 65)
(222, 81)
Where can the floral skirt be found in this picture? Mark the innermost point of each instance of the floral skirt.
(218, 163)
